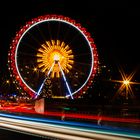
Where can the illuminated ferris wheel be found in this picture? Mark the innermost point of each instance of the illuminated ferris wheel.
(55, 56)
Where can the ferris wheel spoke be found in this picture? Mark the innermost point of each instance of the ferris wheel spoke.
(58, 30)
(82, 54)
(28, 45)
(41, 33)
(49, 29)
(81, 63)
(73, 39)
(67, 31)
(64, 77)
(34, 38)
(27, 54)
(79, 71)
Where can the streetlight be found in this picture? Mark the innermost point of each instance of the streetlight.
(126, 82)
(125, 87)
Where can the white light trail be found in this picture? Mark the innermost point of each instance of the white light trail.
(58, 131)
(70, 93)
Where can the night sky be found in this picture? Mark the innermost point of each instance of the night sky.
(114, 26)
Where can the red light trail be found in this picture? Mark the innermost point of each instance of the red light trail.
(28, 110)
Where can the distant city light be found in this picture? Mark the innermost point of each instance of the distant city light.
(7, 81)
(35, 69)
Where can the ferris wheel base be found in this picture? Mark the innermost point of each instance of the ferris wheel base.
(40, 105)
(58, 104)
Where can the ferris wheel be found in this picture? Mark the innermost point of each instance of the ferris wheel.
(53, 55)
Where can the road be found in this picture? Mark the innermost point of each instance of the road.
(61, 129)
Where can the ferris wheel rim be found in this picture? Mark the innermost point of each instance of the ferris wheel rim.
(73, 24)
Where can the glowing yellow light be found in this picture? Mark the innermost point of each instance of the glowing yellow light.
(125, 88)
(56, 57)
(50, 53)
(7, 81)
(126, 82)
(35, 69)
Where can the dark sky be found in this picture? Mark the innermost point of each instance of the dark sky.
(115, 26)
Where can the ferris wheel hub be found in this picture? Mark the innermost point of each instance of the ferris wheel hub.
(56, 57)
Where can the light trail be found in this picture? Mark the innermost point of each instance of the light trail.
(59, 131)
(70, 93)
(47, 133)
(30, 110)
